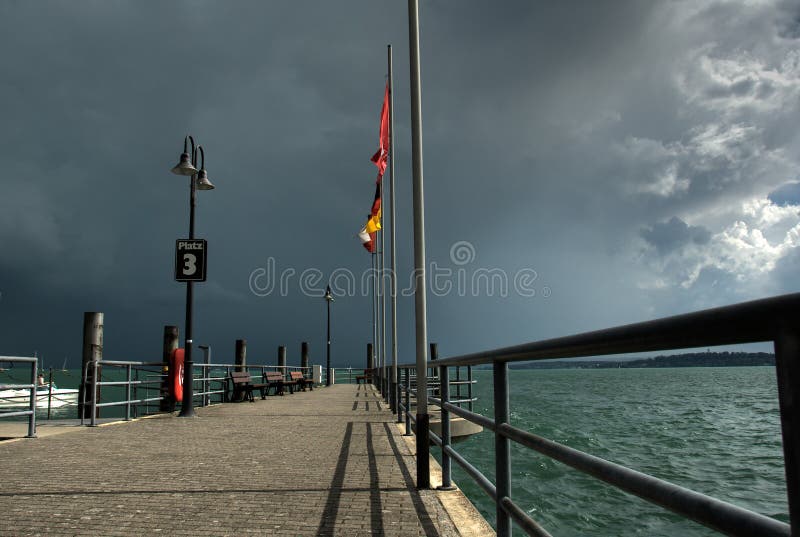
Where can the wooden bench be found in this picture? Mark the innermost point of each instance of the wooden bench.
(366, 377)
(243, 386)
(300, 381)
(274, 379)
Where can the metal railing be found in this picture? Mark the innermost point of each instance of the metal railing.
(407, 386)
(31, 412)
(343, 375)
(212, 382)
(132, 386)
(771, 320)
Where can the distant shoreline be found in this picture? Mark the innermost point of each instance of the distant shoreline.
(693, 359)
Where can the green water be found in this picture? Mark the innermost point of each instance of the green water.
(713, 430)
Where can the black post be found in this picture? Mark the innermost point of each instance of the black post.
(92, 352)
(282, 360)
(304, 359)
(328, 365)
(187, 409)
(240, 355)
(239, 364)
(787, 350)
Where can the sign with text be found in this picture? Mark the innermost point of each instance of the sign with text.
(190, 260)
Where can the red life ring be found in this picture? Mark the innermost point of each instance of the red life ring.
(176, 375)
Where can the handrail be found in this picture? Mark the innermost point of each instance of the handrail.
(773, 319)
(132, 399)
(31, 412)
(746, 322)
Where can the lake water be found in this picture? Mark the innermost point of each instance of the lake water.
(713, 430)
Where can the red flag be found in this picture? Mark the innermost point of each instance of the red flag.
(382, 155)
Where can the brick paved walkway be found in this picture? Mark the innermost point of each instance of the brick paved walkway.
(327, 462)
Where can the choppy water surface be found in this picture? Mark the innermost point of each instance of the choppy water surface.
(713, 430)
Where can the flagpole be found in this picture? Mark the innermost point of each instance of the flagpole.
(374, 327)
(384, 375)
(393, 281)
(423, 423)
(379, 245)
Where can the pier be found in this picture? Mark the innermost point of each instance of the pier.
(332, 461)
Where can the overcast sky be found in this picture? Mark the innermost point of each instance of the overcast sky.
(611, 161)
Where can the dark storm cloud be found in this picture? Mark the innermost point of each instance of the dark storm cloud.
(553, 134)
(673, 234)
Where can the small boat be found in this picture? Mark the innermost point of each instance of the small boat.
(16, 398)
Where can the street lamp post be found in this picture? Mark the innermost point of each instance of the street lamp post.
(328, 299)
(198, 180)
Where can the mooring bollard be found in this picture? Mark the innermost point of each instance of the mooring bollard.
(304, 359)
(240, 358)
(282, 360)
(92, 353)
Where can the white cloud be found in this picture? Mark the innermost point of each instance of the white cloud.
(739, 82)
(765, 213)
(741, 249)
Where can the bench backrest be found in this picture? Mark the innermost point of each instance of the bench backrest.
(273, 376)
(240, 377)
(296, 375)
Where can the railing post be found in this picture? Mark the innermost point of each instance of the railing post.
(458, 385)
(469, 388)
(502, 447)
(128, 394)
(444, 390)
(136, 394)
(49, 393)
(93, 421)
(206, 374)
(408, 402)
(787, 354)
(33, 401)
(399, 395)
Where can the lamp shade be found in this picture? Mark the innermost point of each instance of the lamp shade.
(184, 167)
(202, 181)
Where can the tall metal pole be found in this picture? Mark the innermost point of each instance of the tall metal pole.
(187, 409)
(378, 238)
(374, 324)
(393, 282)
(423, 423)
(384, 376)
(328, 362)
